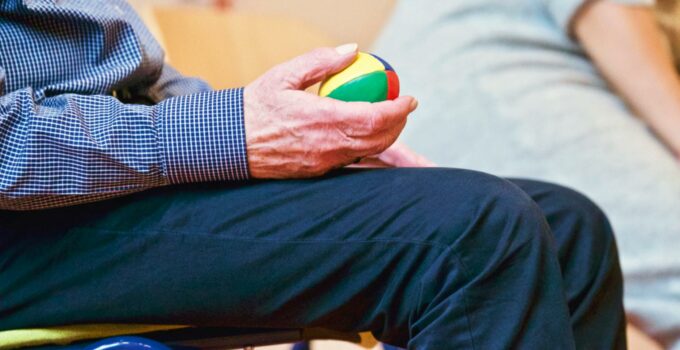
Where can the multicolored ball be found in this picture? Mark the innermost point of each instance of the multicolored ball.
(369, 78)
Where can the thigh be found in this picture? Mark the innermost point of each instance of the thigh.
(344, 251)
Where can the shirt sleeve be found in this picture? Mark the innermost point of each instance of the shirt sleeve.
(171, 84)
(69, 149)
(564, 11)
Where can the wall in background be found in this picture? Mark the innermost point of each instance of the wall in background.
(345, 21)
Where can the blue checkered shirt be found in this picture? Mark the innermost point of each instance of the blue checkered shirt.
(72, 128)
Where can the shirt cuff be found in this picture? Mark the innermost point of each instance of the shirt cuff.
(563, 11)
(203, 137)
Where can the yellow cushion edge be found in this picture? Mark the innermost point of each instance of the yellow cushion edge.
(367, 340)
(364, 64)
(67, 334)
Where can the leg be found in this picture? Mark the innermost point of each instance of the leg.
(434, 258)
(590, 265)
(589, 262)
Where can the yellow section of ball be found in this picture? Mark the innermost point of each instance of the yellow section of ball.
(363, 64)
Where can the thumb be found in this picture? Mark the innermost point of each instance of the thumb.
(400, 155)
(306, 70)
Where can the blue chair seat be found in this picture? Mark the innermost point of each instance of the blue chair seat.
(212, 338)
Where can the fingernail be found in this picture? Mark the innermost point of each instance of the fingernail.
(414, 104)
(347, 48)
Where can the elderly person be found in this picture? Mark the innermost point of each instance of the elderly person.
(103, 219)
(578, 92)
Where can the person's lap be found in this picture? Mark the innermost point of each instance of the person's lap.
(348, 252)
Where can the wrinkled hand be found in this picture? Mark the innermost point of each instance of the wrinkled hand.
(398, 155)
(294, 134)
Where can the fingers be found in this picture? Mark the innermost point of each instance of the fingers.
(369, 126)
(382, 140)
(399, 155)
(374, 127)
(364, 119)
(308, 69)
(390, 113)
(385, 121)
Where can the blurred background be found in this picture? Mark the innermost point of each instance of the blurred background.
(255, 34)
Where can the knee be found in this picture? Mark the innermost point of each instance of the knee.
(585, 241)
(498, 241)
(576, 221)
(476, 211)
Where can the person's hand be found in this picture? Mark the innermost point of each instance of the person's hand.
(294, 134)
(397, 155)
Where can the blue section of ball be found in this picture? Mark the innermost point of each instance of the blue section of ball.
(387, 65)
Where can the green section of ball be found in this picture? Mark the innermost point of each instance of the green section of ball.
(371, 87)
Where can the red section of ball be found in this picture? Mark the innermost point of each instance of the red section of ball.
(392, 85)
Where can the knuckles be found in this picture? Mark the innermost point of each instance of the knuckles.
(375, 122)
(318, 57)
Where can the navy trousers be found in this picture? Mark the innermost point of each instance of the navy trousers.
(423, 258)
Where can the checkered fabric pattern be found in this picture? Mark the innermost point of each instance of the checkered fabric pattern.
(65, 138)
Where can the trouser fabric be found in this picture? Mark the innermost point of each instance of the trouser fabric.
(423, 258)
